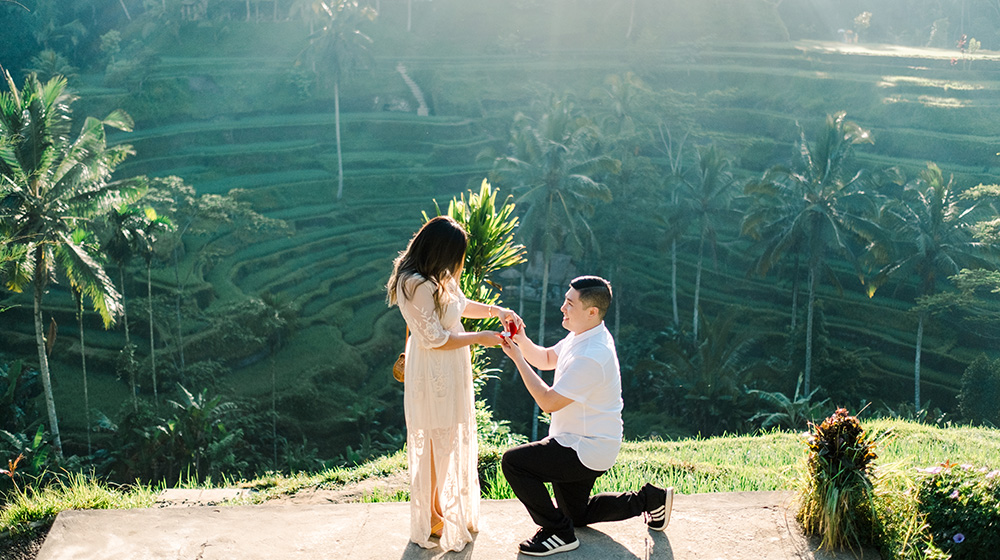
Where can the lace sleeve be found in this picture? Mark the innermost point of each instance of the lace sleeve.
(420, 316)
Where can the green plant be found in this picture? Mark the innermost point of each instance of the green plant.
(491, 249)
(836, 493)
(52, 184)
(790, 413)
(815, 207)
(19, 387)
(962, 508)
(980, 392)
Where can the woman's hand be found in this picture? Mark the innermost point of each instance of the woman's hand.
(488, 339)
(507, 317)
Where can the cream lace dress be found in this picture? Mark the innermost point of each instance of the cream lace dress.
(440, 417)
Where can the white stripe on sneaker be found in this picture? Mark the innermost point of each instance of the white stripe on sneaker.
(553, 542)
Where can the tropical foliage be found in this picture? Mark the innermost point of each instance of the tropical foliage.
(52, 185)
(817, 207)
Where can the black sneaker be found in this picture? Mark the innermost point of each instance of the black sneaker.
(659, 502)
(546, 542)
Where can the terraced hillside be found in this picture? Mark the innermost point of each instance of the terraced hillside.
(332, 261)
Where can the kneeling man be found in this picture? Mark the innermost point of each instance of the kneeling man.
(585, 401)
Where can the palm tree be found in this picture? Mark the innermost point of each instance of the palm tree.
(673, 218)
(50, 186)
(132, 231)
(706, 196)
(154, 226)
(628, 105)
(552, 162)
(815, 207)
(339, 47)
(933, 228)
(124, 228)
(711, 374)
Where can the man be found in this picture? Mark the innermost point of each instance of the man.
(586, 430)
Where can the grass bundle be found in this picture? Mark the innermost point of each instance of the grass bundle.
(836, 495)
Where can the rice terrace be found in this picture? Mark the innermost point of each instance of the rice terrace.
(795, 201)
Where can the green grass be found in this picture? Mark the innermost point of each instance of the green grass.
(25, 508)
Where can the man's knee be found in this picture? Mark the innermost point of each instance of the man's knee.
(512, 459)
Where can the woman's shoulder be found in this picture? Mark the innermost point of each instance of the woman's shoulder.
(414, 280)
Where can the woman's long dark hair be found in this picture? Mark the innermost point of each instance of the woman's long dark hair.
(436, 252)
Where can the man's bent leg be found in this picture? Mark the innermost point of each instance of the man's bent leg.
(613, 506)
(528, 467)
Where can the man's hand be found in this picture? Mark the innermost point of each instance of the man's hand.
(511, 349)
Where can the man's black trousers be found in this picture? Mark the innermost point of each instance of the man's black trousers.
(527, 467)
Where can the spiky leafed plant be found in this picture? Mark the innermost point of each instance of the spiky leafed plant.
(491, 248)
(706, 379)
(814, 207)
(835, 494)
(51, 185)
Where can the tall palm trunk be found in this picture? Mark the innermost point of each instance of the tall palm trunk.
(152, 336)
(631, 21)
(83, 364)
(809, 328)
(121, 282)
(124, 9)
(673, 280)
(618, 315)
(697, 284)
(916, 362)
(128, 343)
(541, 336)
(340, 155)
(795, 293)
(43, 359)
(177, 304)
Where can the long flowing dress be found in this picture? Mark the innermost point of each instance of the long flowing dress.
(440, 417)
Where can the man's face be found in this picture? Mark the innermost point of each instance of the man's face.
(577, 317)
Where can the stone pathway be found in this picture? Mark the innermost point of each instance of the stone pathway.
(729, 526)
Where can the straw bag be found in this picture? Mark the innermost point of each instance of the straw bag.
(398, 368)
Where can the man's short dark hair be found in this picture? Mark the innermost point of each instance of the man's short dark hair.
(594, 292)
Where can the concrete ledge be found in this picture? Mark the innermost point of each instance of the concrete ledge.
(730, 526)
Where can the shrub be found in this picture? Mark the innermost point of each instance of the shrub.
(836, 495)
(977, 399)
(962, 509)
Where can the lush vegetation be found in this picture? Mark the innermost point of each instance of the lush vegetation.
(193, 284)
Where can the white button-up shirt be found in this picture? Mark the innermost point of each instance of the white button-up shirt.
(587, 371)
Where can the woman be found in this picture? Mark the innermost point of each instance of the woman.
(438, 395)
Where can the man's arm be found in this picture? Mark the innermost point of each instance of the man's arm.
(542, 358)
(548, 400)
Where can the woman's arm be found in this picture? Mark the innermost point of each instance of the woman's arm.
(477, 310)
(460, 339)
